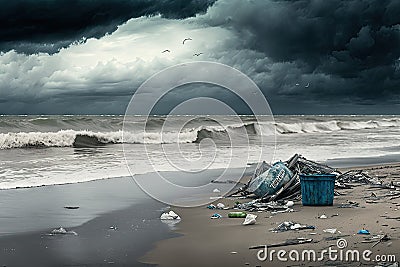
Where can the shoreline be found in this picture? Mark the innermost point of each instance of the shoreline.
(118, 237)
(225, 242)
(143, 242)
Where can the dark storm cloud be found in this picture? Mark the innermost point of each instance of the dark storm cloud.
(31, 26)
(342, 48)
(324, 57)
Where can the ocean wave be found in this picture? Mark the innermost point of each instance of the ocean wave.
(334, 125)
(72, 138)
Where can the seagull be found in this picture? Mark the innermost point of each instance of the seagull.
(186, 39)
(166, 50)
(197, 54)
(308, 85)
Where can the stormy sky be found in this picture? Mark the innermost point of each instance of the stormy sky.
(307, 57)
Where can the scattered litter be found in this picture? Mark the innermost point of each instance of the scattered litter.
(363, 232)
(323, 216)
(373, 195)
(334, 215)
(330, 230)
(387, 264)
(282, 211)
(350, 204)
(216, 216)
(288, 242)
(393, 218)
(171, 215)
(221, 206)
(216, 190)
(358, 176)
(332, 238)
(113, 228)
(383, 238)
(71, 207)
(237, 214)
(233, 252)
(274, 207)
(291, 226)
(62, 231)
(250, 219)
(211, 207)
(289, 204)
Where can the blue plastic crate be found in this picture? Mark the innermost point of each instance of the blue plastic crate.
(317, 189)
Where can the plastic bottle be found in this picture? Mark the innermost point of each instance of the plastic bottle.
(237, 214)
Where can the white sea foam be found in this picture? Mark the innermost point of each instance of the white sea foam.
(66, 138)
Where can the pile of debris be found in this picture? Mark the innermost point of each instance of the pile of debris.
(281, 181)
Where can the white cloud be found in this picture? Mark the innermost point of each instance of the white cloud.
(121, 61)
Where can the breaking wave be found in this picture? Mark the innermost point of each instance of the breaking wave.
(73, 138)
(334, 125)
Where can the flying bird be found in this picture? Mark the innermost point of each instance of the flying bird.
(308, 85)
(197, 54)
(166, 50)
(186, 39)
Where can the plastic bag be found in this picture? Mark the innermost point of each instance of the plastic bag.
(271, 181)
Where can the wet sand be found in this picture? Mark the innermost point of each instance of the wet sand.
(116, 223)
(137, 234)
(225, 242)
(117, 238)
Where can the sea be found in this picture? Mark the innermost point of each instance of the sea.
(53, 150)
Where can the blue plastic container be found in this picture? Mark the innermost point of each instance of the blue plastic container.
(317, 189)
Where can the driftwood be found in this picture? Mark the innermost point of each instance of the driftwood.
(288, 242)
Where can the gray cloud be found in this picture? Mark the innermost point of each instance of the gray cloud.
(344, 49)
(31, 27)
(306, 56)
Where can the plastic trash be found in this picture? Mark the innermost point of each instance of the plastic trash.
(271, 181)
(216, 190)
(291, 226)
(62, 231)
(216, 216)
(211, 207)
(237, 214)
(289, 204)
(323, 216)
(170, 216)
(71, 207)
(363, 232)
(220, 206)
(330, 230)
(282, 211)
(250, 219)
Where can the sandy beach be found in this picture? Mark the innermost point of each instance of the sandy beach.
(225, 242)
(118, 226)
(114, 225)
